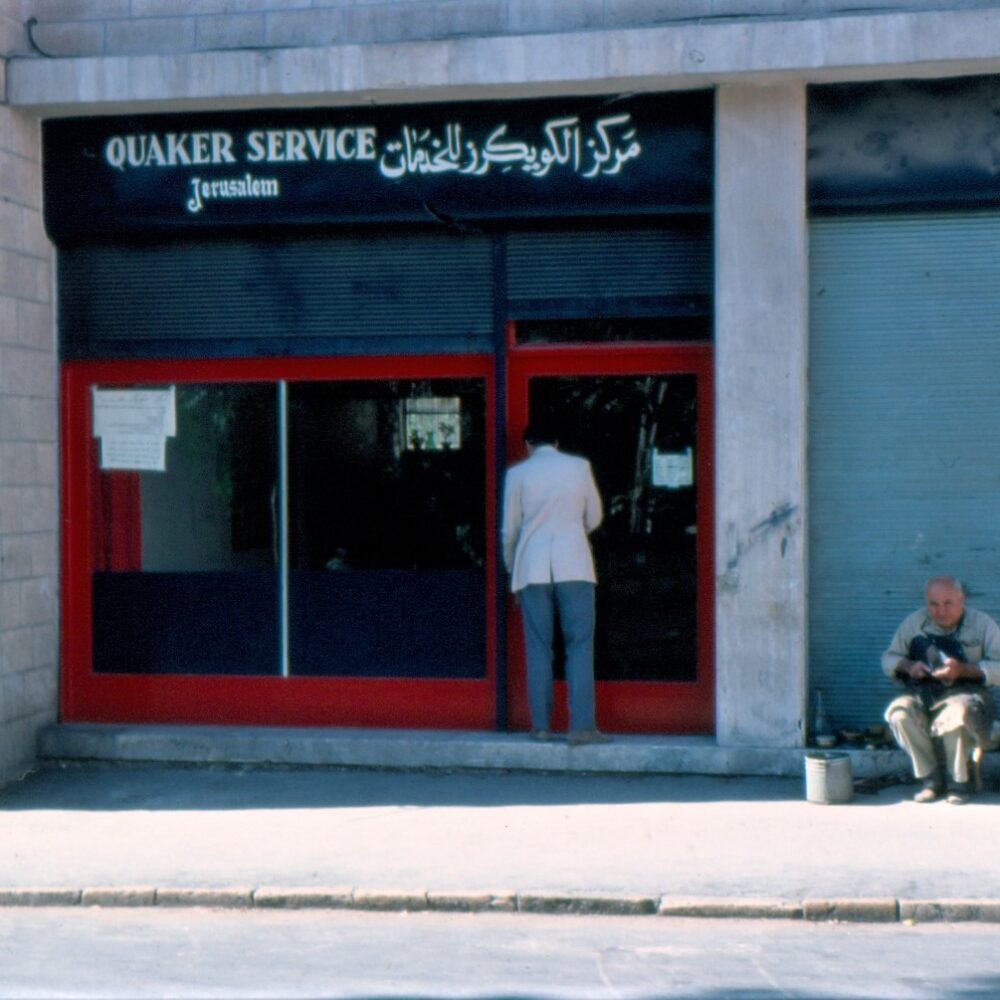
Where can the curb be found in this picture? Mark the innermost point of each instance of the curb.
(730, 908)
(385, 900)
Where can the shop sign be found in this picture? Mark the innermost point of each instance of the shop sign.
(452, 163)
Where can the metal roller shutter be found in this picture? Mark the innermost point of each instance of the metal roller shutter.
(639, 272)
(904, 435)
(400, 293)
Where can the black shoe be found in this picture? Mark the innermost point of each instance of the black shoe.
(959, 793)
(586, 737)
(933, 790)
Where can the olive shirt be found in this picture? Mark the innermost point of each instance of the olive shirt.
(978, 634)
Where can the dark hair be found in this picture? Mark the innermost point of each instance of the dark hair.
(541, 430)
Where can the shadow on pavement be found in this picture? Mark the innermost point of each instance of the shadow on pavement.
(104, 787)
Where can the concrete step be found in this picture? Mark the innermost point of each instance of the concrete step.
(433, 750)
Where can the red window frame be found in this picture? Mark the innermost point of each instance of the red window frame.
(627, 706)
(86, 696)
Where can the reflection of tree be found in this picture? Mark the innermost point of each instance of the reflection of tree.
(206, 415)
(646, 558)
(653, 393)
(619, 424)
(230, 430)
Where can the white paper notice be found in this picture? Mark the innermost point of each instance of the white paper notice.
(134, 451)
(673, 469)
(133, 425)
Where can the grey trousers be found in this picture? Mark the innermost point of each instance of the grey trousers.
(575, 603)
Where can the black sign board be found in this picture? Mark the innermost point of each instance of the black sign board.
(905, 145)
(457, 163)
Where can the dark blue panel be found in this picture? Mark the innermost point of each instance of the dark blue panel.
(388, 623)
(905, 144)
(186, 623)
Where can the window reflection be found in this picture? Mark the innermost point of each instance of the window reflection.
(387, 498)
(640, 434)
(185, 556)
(432, 423)
(367, 493)
(385, 501)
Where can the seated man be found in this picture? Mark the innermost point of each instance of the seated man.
(946, 655)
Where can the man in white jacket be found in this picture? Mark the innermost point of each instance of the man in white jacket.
(551, 504)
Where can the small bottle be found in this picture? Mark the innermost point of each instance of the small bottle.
(821, 724)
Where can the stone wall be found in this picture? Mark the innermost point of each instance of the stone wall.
(29, 514)
(138, 27)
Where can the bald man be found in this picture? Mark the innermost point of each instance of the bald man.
(947, 656)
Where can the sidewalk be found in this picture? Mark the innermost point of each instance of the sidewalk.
(113, 834)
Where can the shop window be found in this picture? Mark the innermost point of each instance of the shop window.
(184, 530)
(387, 528)
(308, 528)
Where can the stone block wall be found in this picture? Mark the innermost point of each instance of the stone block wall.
(141, 27)
(29, 509)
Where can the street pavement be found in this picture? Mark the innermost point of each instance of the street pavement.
(160, 835)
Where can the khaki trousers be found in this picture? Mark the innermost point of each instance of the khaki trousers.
(910, 724)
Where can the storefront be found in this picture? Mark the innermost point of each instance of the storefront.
(298, 351)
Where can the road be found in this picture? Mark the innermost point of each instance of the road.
(120, 953)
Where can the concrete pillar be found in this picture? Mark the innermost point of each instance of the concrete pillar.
(29, 508)
(761, 363)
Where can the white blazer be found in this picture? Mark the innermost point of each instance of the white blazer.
(550, 505)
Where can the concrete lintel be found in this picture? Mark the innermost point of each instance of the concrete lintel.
(677, 56)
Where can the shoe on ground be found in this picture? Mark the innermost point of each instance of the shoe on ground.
(540, 735)
(931, 792)
(958, 795)
(587, 737)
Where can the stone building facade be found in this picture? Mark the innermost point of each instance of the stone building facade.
(29, 509)
(79, 58)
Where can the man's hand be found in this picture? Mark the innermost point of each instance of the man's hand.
(955, 670)
(916, 670)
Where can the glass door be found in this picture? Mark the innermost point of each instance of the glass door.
(642, 416)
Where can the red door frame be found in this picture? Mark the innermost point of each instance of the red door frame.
(628, 706)
(294, 701)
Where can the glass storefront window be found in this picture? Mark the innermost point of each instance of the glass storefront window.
(318, 529)
(387, 528)
(184, 531)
